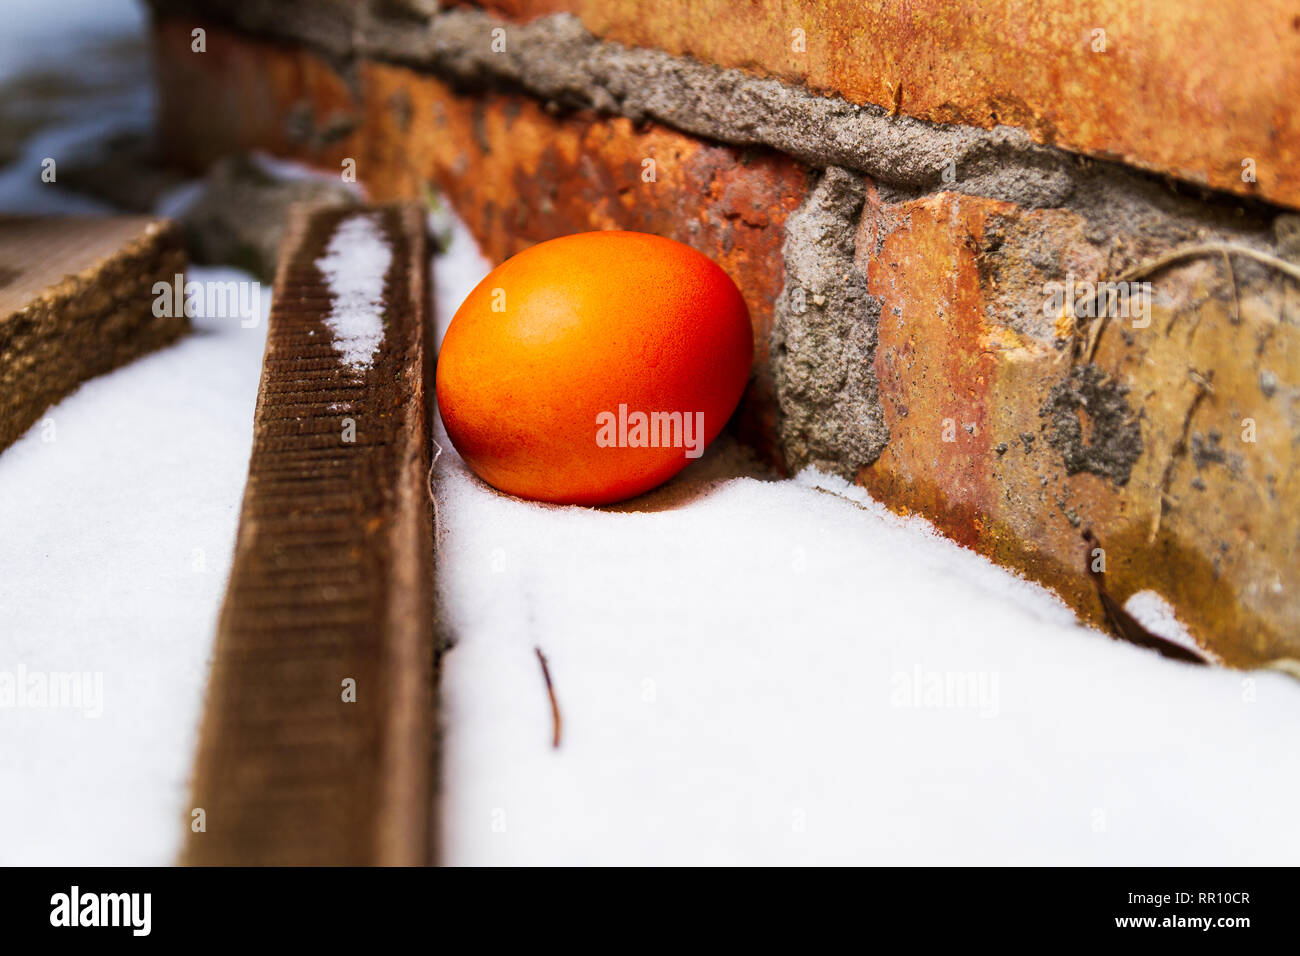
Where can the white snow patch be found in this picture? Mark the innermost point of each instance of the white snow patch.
(354, 265)
(119, 511)
(289, 170)
(755, 671)
(456, 271)
(749, 670)
(1158, 616)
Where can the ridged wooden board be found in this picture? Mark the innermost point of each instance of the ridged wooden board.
(332, 581)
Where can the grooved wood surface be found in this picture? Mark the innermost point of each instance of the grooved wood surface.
(332, 581)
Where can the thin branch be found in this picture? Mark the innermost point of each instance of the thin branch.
(1204, 249)
(1124, 625)
(550, 692)
(1177, 255)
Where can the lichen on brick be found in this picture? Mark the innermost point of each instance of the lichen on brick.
(1111, 442)
(824, 337)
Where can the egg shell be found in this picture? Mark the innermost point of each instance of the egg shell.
(547, 362)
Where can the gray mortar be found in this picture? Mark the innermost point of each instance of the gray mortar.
(824, 336)
(1116, 439)
(557, 60)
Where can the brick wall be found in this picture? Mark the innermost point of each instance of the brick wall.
(1184, 88)
(895, 194)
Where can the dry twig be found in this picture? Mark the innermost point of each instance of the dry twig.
(1159, 262)
(550, 692)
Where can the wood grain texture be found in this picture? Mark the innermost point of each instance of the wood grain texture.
(76, 301)
(332, 580)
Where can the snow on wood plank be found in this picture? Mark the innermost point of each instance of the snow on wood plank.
(316, 746)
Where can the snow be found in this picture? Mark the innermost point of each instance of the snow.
(354, 265)
(119, 512)
(1159, 617)
(748, 670)
(754, 671)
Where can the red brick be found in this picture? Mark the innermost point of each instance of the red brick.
(1187, 89)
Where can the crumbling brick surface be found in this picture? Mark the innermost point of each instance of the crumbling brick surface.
(903, 299)
(269, 98)
(1204, 92)
(1013, 441)
(1166, 87)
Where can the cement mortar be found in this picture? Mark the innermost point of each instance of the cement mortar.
(824, 336)
(556, 59)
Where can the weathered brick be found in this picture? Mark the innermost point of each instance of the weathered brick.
(1187, 89)
(1138, 440)
(973, 387)
(269, 96)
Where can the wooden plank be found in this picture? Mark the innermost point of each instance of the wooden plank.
(332, 582)
(76, 301)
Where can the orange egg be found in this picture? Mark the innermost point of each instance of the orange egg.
(591, 368)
